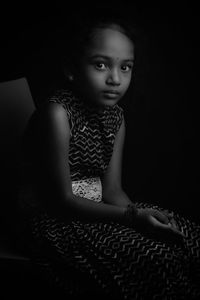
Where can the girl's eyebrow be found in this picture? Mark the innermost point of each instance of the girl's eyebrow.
(106, 57)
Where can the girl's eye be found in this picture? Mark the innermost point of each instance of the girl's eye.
(126, 68)
(100, 66)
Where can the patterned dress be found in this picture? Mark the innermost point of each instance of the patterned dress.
(109, 259)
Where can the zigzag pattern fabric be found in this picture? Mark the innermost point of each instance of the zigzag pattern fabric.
(111, 258)
(92, 135)
(119, 260)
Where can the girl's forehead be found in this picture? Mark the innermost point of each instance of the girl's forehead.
(110, 40)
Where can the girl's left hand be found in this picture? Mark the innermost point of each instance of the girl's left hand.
(164, 217)
(165, 227)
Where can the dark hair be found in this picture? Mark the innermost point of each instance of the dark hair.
(77, 34)
(83, 32)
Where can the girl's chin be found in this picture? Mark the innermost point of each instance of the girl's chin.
(108, 101)
(103, 101)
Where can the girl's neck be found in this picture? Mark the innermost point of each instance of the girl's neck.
(90, 105)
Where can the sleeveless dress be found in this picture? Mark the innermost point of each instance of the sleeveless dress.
(109, 259)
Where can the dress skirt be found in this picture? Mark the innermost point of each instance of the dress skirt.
(112, 259)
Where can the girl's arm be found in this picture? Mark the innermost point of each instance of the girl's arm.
(149, 221)
(113, 192)
(56, 137)
(55, 133)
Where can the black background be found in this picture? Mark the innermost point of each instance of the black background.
(161, 161)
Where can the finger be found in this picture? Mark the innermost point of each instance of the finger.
(160, 217)
(169, 228)
(170, 215)
(166, 218)
(167, 213)
(167, 232)
(177, 232)
(173, 223)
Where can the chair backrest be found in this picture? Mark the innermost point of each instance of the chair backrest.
(16, 108)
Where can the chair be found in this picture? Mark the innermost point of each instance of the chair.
(19, 275)
(16, 107)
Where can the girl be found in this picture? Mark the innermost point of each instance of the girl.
(95, 239)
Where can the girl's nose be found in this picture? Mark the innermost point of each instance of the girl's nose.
(113, 77)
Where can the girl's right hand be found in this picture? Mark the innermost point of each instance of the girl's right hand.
(154, 224)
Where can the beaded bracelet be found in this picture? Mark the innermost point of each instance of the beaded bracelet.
(130, 214)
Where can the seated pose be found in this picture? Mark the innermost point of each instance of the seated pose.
(78, 218)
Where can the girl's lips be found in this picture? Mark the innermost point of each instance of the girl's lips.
(111, 94)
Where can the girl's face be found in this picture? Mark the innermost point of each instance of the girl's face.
(106, 67)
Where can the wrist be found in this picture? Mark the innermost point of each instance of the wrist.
(130, 215)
